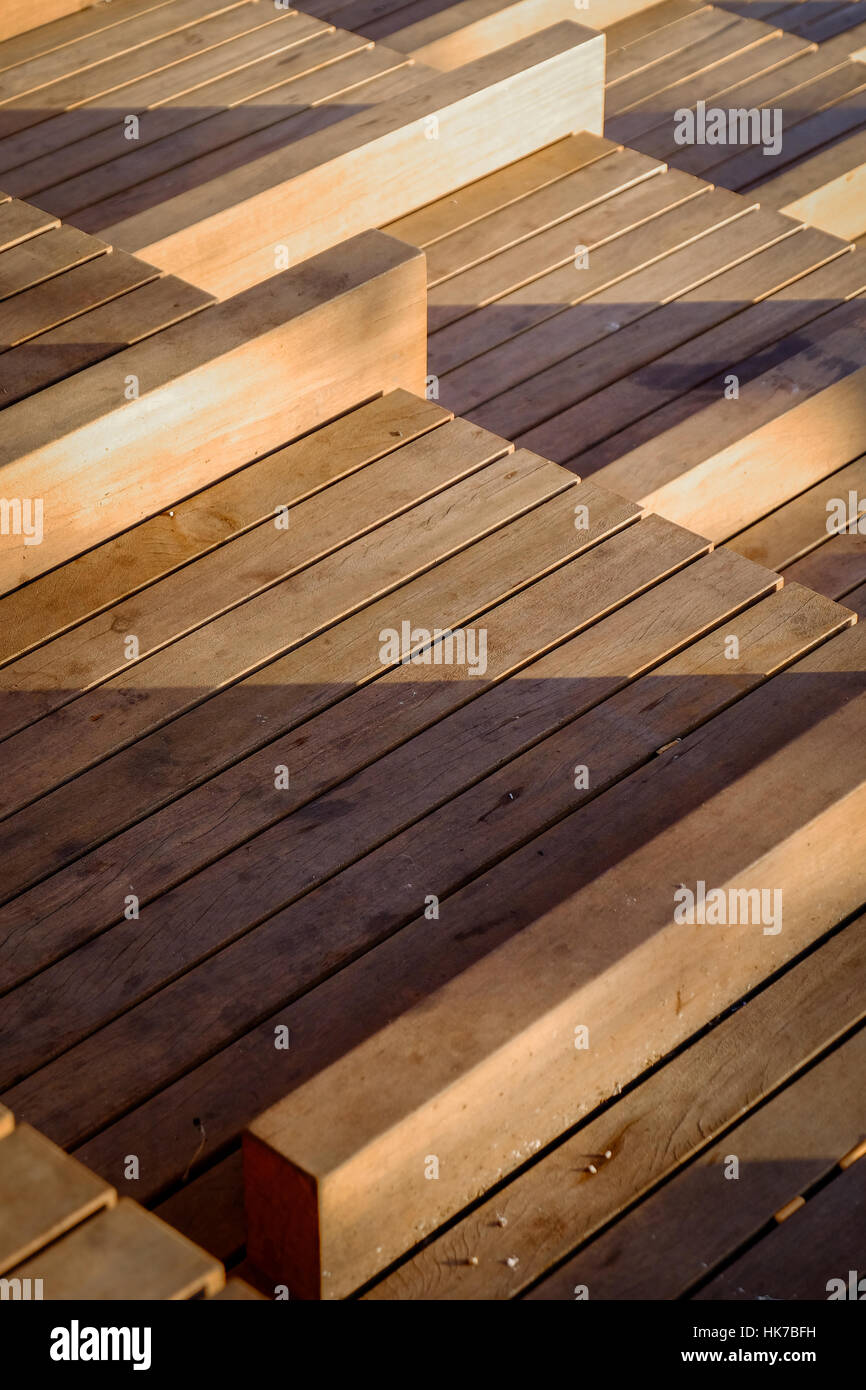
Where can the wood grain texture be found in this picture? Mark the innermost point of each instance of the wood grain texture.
(43, 1194)
(525, 1050)
(231, 406)
(805, 522)
(556, 1204)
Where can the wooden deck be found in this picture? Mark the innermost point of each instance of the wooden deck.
(450, 498)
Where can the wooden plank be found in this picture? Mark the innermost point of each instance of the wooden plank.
(85, 287)
(684, 294)
(73, 20)
(805, 522)
(209, 1209)
(497, 331)
(834, 181)
(640, 392)
(499, 190)
(336, 1124)
(366, 170)
(468, 30)
(663, 44)
(554, 1205)
(647, 21)
(33, 261)
(721, 470)
(149, 34)
(252, 959)
(299, 686)
(823, 1241)
(835, 567)
(126, 186)
(697, 60)
(244, 59)
(43, 1194)
(126, 563)
(318, 596)
(95, 335)
(199, 380)
(645, 194)
(19, 222)
(500, 231)
(7, 1122)
(124, 1253)
(201, 81)
(756, 331)
(233, 573)
(663, 1248)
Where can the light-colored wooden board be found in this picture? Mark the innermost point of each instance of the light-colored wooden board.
(803, 523)
(19, 222)
(53, 252)
(369, 168)
(123, 1253)
(647, 21)
(764, 331)
(43, 1194)
(71, 20)
(494, 334)
(721, 470)
(664, 1247)
(557, 1203)
(306, 1160)
(7, 1121)
(99, 333)
(228, 576)
(823, 1241)
(210, 400)
(296, 688)
(499, 190)
(126, 563)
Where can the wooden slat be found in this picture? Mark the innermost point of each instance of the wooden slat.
(123, 1253)
(343, 1120)
(557, 1203)
(499, 190)
(87, 170)
(67, 24)
(174, 164)
(141, 40)
(33, 261)
(696, 287)
(701, 1217)
(238, 1290)
(652, 384)
(823, 1241)
(104, 576)
(720, 470)
(19, 222)
(189, 671)
(299, 686)
(835, 567)
(366, 170)
(208, 1209)
(646, 21)
(224, 360)
(494, 336)
(7, 1122)
(802, 524)
(662, 44)
(95, 335)
(230, 575)
(202, 81)
(756, 331)
(43, 1194)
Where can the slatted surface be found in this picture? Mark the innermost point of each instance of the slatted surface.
(69, 300)
(598, 316)
(158, 778)
(65, 1235)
